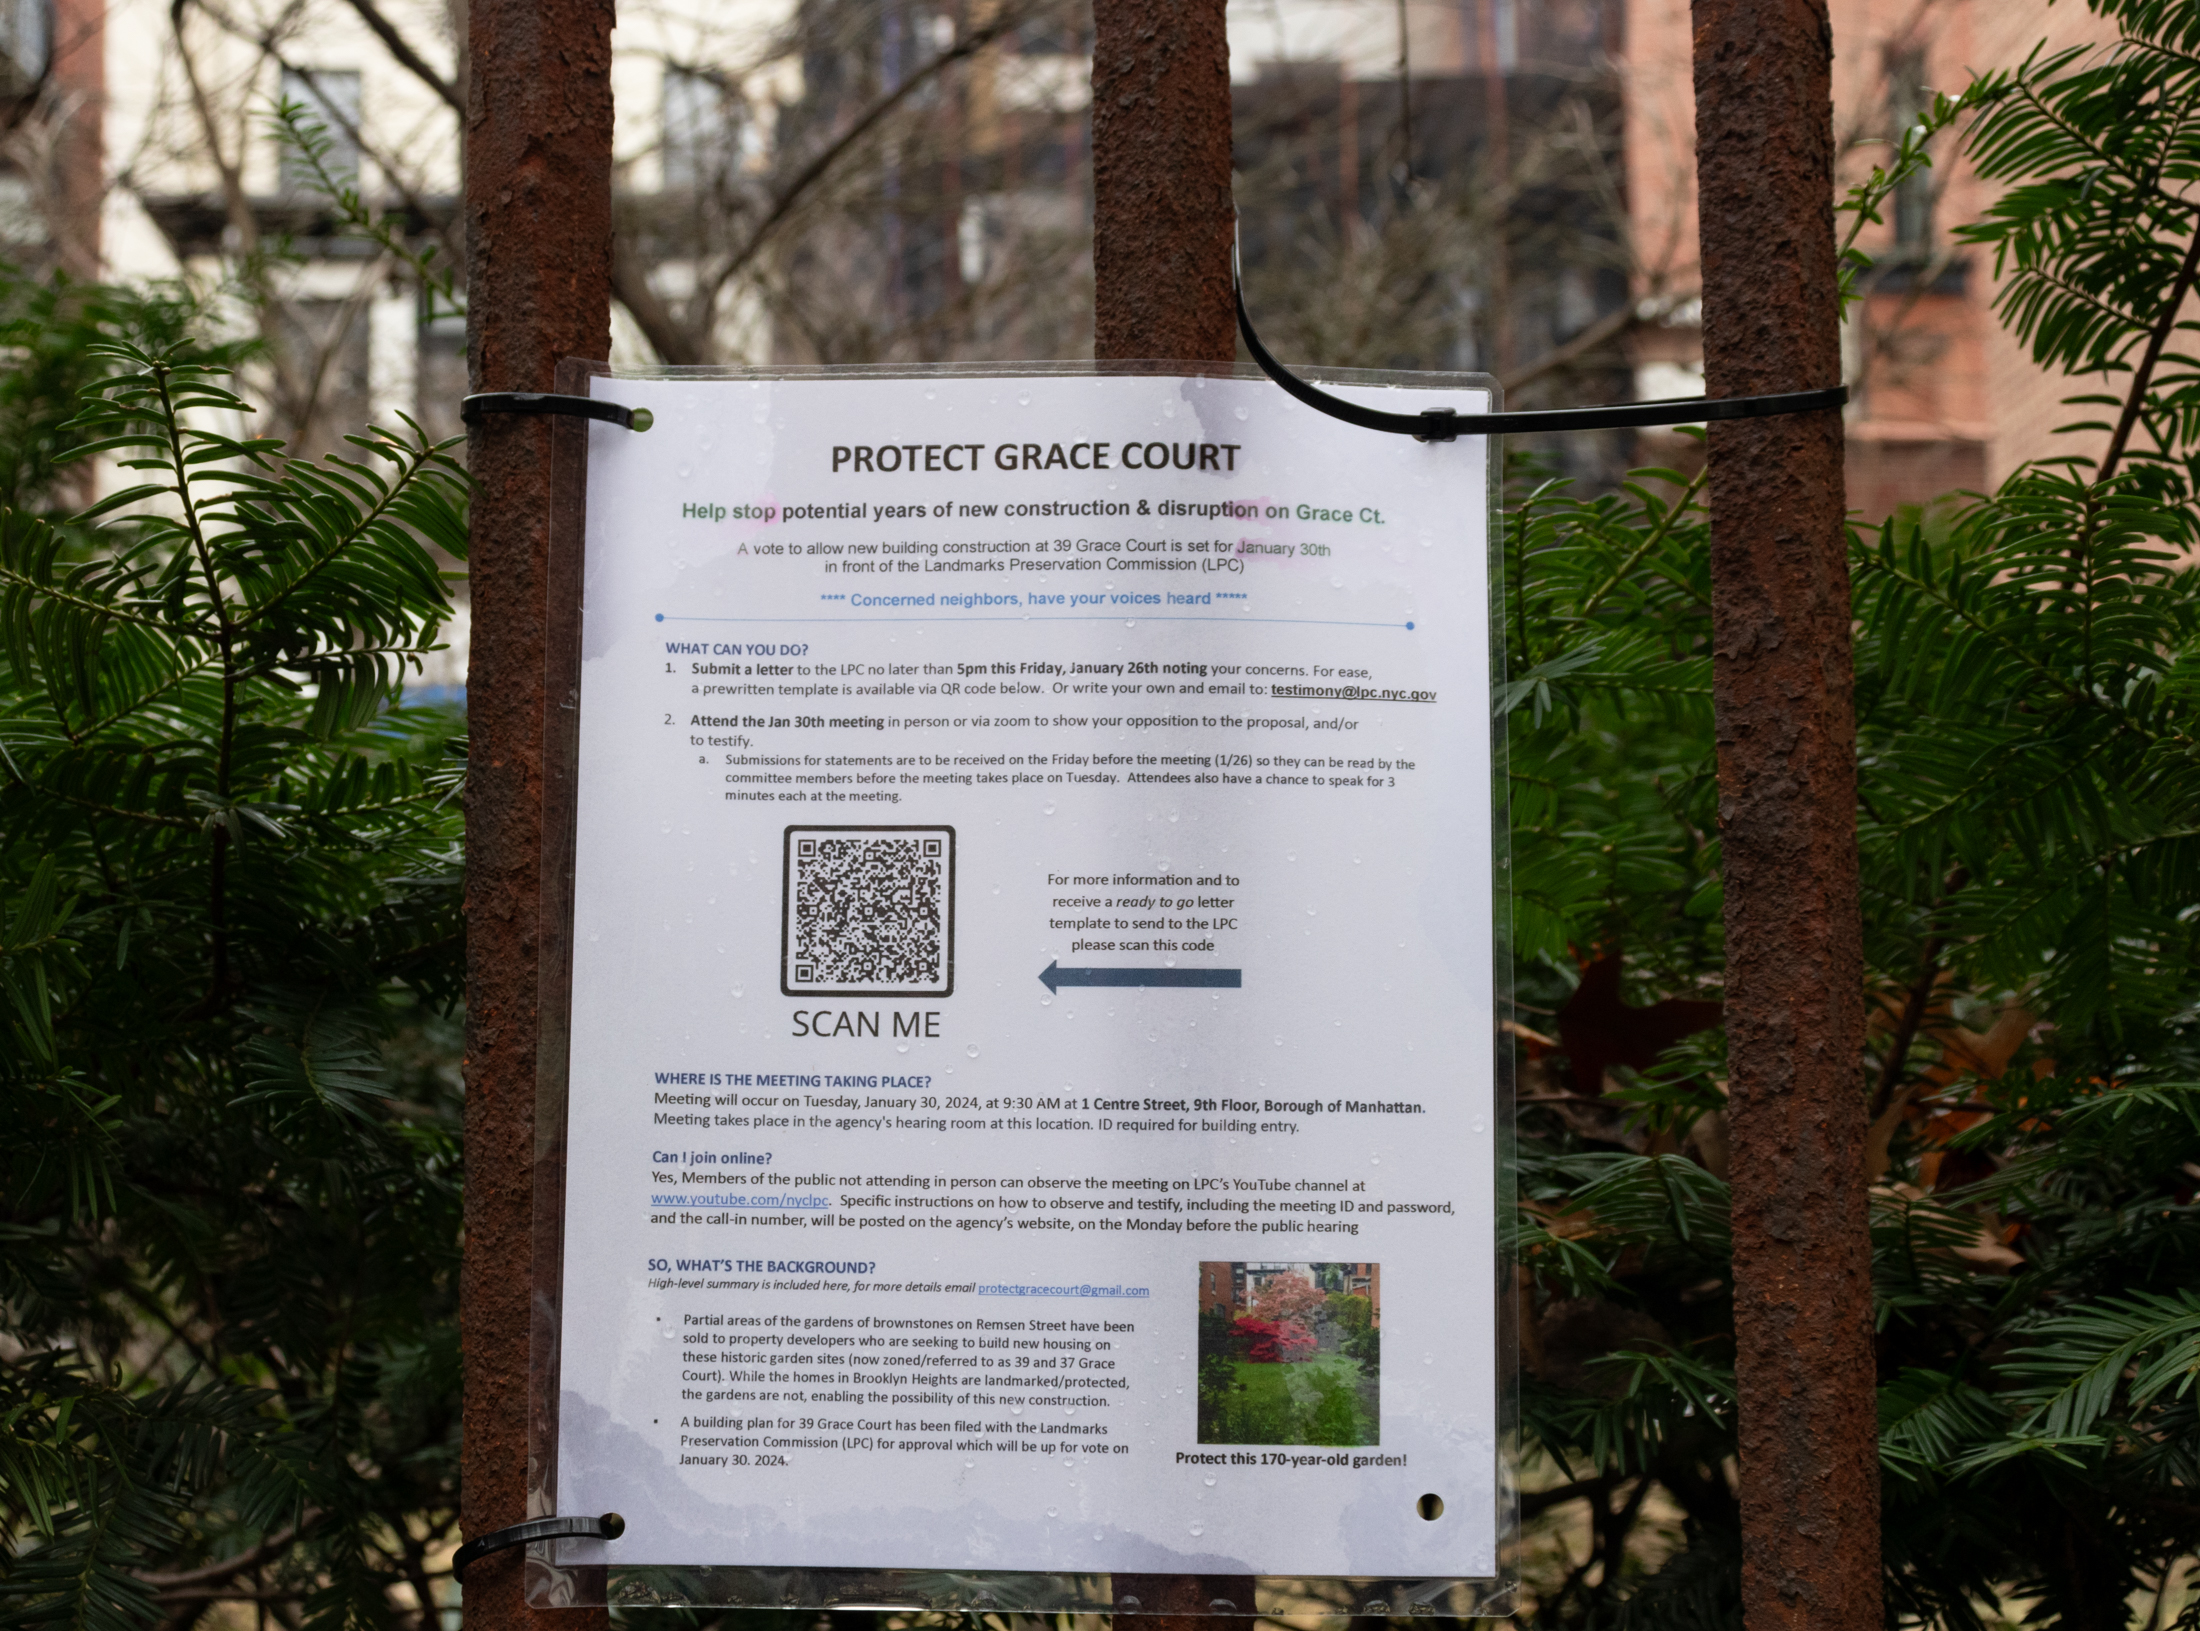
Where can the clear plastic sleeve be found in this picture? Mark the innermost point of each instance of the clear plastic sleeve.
(575, 1573)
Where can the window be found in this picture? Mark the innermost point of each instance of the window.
(701, 120)
(26, 45)
(22, 225)
(1907, 100)
(330, 97)
(324, 361)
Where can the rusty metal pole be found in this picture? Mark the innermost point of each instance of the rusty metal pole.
(1161, 212)
(1787, 823)
(538, 288)
(1162, 225)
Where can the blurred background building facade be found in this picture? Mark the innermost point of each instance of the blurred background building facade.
(1503, 186)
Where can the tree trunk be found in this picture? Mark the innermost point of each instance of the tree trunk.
(1162, 226)
(1787, 823)
(538, 285)
(1162, 216)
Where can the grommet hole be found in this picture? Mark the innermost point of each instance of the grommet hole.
(1430, 1507)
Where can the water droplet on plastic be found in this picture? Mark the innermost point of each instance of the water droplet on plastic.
(1211, 1476)
(1023, 399)
(1050, 1512)
(684, 470)
(1172, 815)
(1199, 1529)
(972, 1050)
(737, 991)
(901, 1047)
(1241, 414)
(1477, 1123)
(1279, 1041)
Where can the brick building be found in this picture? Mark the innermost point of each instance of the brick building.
(1231, 1287)
(138, 147)
(1943, 397)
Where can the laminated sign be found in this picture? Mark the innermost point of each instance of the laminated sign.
(1031, 1122)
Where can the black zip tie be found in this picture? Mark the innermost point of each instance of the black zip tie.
(1448, 425)
(608, 1527)
(471, 408)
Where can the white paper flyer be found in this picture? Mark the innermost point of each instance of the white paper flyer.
(1031, 1089)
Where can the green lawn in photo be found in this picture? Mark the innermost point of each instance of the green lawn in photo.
(1322, 1401)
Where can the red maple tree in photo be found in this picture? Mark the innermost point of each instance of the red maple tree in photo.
(1273, 1342)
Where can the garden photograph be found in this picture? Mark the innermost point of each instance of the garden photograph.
(1290, 1353)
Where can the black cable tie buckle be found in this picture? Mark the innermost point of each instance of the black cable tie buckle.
(1448, 424)
(471, 408)
(608, 1527)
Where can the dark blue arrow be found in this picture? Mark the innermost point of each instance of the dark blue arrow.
(1057, 976)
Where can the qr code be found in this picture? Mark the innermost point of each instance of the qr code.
(869, 912)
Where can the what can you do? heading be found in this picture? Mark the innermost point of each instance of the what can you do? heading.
(960, 458)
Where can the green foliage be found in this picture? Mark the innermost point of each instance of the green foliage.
(229, 1201)
(229, 946)
(1352, 1313)
(1328, 1401)
(1609, 698)
(2094, 229)
(1911, 158)
(2017, 737)
(299, 131)
(47, 330)
(1365, 1347)
(2028, 697)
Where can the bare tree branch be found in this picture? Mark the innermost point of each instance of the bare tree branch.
(2143, 376)
(630, 283)
(411, 60)
(1596, 336)
(234, 202)
(412, 201)
(813, 172)
(1897, 1057)
(177, 1582)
